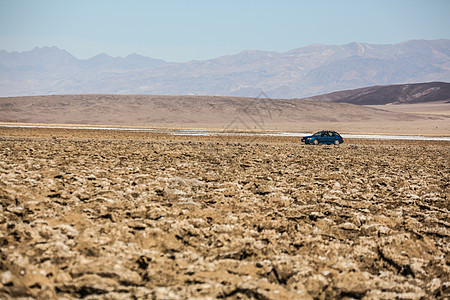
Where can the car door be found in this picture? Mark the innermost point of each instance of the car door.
(333, 137)
(330, 137)
(323, 137)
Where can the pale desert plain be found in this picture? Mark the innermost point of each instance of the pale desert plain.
(227, 113)
(117, 214)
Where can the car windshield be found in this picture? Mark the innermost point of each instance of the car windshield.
(318, 133)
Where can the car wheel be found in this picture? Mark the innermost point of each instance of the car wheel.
(316, 142)
(336, 142)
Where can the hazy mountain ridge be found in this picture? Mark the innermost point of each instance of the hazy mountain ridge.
(302, 72)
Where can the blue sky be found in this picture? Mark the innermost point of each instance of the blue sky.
(180, 31)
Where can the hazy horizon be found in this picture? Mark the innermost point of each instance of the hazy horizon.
(179, 31)
(227, 54)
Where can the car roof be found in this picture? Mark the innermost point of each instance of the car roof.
(326, 131)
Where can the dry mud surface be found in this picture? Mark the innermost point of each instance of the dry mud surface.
(98, 215)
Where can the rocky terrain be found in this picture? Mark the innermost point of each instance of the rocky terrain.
(119, 215)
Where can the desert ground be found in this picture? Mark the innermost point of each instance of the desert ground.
(226, 113)
(430, 108)
(98, 214)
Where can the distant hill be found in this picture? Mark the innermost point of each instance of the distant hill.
(303, 72)
(136, 109)
(192, 111)
(391, 94)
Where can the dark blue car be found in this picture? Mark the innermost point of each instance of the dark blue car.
(323, 137)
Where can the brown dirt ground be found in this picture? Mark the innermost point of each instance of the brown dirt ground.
(112, 215)
(301, 115)
(432, 108)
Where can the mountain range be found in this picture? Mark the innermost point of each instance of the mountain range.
(298, 73)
